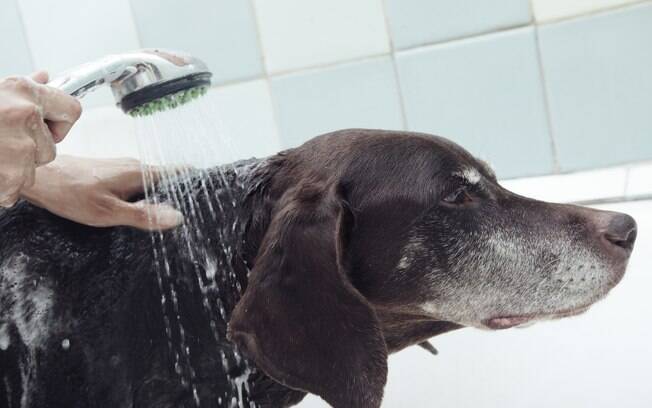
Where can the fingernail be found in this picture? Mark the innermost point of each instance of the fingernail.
(7, 202)
(167, 217)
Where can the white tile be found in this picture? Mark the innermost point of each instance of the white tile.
(599, 87)
(303, 33)
(246, 119)
(484, 93)
(566, 188)
(549, 10)
(361, 94)
(101, 132)
(63, 34)
(418, 22)
(220, 32)
(639, 181)
(15, 58)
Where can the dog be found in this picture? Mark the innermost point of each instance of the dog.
(298, 273)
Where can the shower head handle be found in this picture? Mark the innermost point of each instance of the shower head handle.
(136, 77)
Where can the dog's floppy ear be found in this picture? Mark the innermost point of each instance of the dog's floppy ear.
(300, 319)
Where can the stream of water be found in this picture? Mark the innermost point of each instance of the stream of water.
(180, 150)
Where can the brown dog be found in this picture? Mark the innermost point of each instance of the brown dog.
(355, 245)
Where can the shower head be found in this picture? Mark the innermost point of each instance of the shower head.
(143, 82)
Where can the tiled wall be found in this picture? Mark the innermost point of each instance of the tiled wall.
(535, 87)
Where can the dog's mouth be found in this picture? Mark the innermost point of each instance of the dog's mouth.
(506, 322)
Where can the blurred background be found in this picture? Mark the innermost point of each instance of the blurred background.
(555, 94)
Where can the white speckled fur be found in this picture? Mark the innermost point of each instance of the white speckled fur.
(5, 340)
(27, 303)
(471, 175)
(413, 247)
(503, 278)
(29, 306)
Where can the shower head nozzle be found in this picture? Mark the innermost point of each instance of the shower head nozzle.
(143, 82)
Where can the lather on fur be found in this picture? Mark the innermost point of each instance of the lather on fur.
(330, 256)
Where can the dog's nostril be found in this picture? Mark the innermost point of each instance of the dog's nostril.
(621, 231)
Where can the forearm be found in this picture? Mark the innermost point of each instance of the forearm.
(43, 181)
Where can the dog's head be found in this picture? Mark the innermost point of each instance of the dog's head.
(362, 222)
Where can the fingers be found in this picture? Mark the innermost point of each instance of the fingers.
(9, 197)
(10, 186)
(149, 217)
(17, 169)
(29, 172)
(60, 109)
(40, 77)
(9, 201)
(134, 181)
(46, 150)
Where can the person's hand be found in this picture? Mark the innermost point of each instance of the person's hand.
(33, 117)
(95, 192)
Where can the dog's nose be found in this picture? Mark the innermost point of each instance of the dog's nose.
(621, 231)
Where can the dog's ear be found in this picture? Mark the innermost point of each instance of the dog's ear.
(300, 319)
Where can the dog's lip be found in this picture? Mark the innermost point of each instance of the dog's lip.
(505, 322)
(509, 321)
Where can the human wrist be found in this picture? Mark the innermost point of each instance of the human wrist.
(36, 192)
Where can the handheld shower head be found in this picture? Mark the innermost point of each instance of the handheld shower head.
(143, 82)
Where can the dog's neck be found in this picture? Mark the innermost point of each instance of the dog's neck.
(246, 206)
(402, 329)
(219, 209)
(233, 209)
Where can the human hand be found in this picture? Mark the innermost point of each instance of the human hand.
(95, 192)
(33, 117)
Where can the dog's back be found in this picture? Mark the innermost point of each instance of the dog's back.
(98, 317)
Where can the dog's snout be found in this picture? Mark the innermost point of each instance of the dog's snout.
(621, 231)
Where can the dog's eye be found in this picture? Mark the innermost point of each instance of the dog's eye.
(458, 197)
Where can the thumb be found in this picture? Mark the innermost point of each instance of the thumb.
(147, 216)
(40, 77)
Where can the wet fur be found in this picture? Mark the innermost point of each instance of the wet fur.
(325, 259)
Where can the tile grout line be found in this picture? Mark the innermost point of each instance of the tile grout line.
(23, 26)
(432, 44)
(136, 26)
(367, 57)
(266, 76)
(259, 37)
(546, 102)
(397, 78)
(613, 200)
(591, 13)
(628, 171)
(237, 81)
(532, 12)
(324, 66)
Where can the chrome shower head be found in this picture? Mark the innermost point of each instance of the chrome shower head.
(143, 82)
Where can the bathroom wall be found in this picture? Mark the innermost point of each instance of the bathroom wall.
(535, 87)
